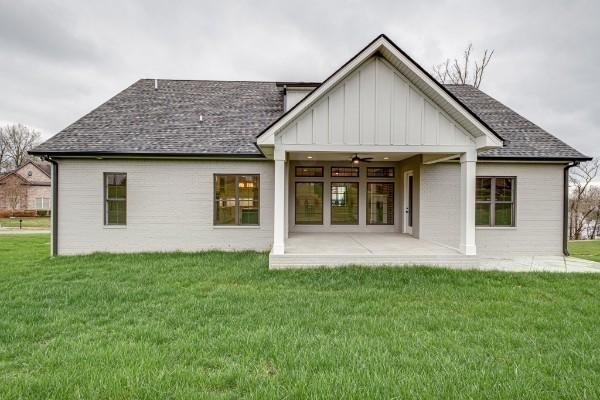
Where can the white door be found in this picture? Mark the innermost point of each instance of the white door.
(408, 202)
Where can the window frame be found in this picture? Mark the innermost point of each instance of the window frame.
(322, 183)
(393, 183)
(492, 202)
(237, 199)
(106, 199)
(331, 207)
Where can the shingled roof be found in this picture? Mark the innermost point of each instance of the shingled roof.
(223, 118)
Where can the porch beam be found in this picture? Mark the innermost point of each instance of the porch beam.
(468, 162)
(436, 158)
(373, 149)
(279, 204)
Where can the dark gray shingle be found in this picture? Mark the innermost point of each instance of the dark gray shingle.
(142, 120)
(522, 138)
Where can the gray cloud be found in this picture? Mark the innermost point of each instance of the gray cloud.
(61, 59)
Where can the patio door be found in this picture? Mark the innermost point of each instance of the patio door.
(408, 202)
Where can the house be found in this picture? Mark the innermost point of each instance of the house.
(377, 164)
(26, 188)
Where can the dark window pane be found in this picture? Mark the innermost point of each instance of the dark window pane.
(503, 214)
(309, 203)
(309, 171)
(225, 200)
(504, 189)
(248, 199)
(116, 212)
(115, 192)
(344, 203)
(482, 214)
(380, 172)
(344, 171)
(380, 203)
(483, 189)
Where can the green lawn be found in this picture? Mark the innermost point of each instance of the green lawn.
(589, 249)
(219, 325)
(28, 222)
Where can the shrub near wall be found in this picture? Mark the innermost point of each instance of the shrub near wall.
(4, 213)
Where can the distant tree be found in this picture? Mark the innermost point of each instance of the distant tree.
(584, 199)
(466, 71)
(15, 193)
(17, 141)
(3, 158)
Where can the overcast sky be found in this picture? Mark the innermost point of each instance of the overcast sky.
(59, 60)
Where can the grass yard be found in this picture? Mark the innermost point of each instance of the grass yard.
(28, 222)
(588, 249)
(219, 325)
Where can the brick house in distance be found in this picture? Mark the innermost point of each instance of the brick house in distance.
(26, 188)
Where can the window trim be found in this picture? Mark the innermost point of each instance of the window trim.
(322, 183)
(357, 203)
(105, 198)
(393, 183)
(237, 200)
(492, 202)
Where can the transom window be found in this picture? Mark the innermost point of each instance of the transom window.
(236, 200)
(351, 172)
(495, 201)
(115, 198)
(309, 172)
(380, 172)
(344, 203)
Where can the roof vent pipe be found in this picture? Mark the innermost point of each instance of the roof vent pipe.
(155, 84)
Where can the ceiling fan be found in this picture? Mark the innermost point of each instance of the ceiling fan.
(357, 160)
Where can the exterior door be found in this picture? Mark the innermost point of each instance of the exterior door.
(408, 202)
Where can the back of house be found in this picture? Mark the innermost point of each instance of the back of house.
(379, 163)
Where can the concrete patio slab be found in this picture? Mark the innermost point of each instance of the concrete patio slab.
(304, 250)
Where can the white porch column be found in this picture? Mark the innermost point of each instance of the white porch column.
(468, 162)
(279, 204)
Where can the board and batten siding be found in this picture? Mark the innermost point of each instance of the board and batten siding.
(374, 105)
(169, 207)
(539, 207)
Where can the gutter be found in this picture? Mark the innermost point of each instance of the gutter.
(54, 175)
(566, 207)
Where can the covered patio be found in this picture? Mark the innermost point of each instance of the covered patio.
(365, 248)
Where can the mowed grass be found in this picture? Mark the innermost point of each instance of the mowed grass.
(588, 249)
(27, 222)
(220, 325)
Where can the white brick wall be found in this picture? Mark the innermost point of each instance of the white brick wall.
(169, 206)
(539, 208)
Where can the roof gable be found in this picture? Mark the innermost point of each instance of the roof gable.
(374, 105)
(414, 73)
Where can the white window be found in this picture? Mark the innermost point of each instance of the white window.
(42, 203)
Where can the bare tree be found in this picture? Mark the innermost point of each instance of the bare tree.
(18, 139)
(15, 193)
(466, 71)
(3, 158)
(584, 201)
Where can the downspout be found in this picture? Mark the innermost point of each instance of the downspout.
(54, 175)
(566, 207)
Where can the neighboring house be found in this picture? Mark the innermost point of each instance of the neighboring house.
(27, 187)
(192, 165)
